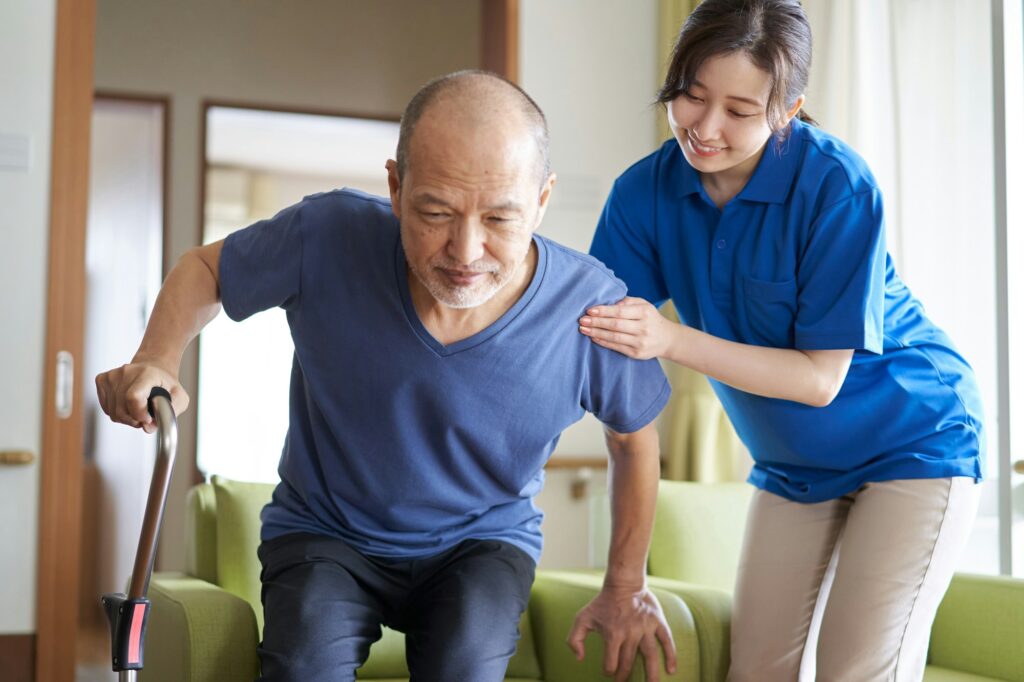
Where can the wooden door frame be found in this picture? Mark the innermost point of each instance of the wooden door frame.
(60, 489)
(500, 38)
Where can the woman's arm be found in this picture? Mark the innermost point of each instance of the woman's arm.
(635, 328)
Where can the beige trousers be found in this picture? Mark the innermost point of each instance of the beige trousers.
(846, 590)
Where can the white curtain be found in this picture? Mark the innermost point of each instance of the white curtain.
(908, 84)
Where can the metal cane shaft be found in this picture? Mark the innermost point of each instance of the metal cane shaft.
(167, 443)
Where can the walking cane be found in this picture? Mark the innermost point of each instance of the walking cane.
(128, 614)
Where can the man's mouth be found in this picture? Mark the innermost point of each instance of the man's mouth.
(462, 277)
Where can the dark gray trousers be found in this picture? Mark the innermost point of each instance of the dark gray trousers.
(324, 603)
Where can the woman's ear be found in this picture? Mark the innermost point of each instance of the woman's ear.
(795, 109)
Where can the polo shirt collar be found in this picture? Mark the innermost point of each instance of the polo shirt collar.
(772, 178)
(777, 168)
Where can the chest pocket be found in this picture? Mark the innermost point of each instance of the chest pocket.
(767, 312)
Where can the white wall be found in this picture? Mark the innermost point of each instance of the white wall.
(592, 68)
(26, 100)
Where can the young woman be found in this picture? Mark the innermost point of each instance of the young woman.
(864, 422)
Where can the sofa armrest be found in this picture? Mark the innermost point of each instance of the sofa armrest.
(712, 613)
(198, 632)
(979, 627)
(554, 601)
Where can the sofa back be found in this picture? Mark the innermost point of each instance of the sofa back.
(698, 532)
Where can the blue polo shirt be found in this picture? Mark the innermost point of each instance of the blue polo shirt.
(397, 444)
(798, 260)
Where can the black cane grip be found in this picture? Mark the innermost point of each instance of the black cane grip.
(157, 391)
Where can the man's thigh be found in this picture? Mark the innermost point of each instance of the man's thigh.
(320, 617)
(462, 621)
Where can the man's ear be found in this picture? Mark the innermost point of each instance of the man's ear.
(395, 187)
(545, 197)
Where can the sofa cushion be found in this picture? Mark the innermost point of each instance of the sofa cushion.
(935, 674)
(979, 628)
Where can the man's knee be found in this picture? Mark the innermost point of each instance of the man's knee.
(319, 623)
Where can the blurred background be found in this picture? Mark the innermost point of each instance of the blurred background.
(209, 115)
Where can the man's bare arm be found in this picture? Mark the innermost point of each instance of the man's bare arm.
(189, 299)
(625, 613)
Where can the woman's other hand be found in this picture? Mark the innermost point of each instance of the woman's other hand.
(632, 327)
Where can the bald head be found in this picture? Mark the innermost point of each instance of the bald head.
(475, 100)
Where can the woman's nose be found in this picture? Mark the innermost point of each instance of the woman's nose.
(706, 127)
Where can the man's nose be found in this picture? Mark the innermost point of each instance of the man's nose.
(466, 244)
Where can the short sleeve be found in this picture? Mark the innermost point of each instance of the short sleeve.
(841, 278)
(624, 243)
(261, 265)
(623, 393)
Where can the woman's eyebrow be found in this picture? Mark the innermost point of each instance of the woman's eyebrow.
(735, 97)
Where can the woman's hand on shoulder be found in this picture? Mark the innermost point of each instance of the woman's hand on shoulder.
(632, 327)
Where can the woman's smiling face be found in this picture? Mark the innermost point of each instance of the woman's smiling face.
(721, 121)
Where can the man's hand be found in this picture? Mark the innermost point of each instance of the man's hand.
(123, 393)
(628, 620)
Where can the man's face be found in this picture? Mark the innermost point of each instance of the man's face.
(468, 205)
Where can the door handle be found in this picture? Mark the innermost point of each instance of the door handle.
(16, 457)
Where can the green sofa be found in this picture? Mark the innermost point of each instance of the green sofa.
(205, 623)
(978, 633)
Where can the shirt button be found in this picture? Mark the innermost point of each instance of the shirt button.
(720, 244)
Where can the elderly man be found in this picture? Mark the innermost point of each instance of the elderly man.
(436, 363)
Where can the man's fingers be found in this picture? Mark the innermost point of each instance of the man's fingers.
(612, 644)
(649, 649)
(101, 394)
(577, 635)
(668, 644)
(137, 402)
(627, 657)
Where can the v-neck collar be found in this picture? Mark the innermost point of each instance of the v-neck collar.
(402, 281)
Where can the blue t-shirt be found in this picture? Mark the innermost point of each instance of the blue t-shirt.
(798, 260)
(397, 444)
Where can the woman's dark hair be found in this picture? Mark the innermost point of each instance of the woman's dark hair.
(774, 34)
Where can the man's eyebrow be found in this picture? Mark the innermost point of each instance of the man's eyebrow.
(507, 206)
(428, 198)
(735, 97)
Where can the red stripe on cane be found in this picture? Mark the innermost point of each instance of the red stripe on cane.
(135, 637)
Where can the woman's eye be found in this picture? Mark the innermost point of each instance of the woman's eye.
(740, 115)
(690, 96)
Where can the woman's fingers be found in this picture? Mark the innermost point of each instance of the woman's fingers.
(626, 326)
(626, 309)
(628, 351)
